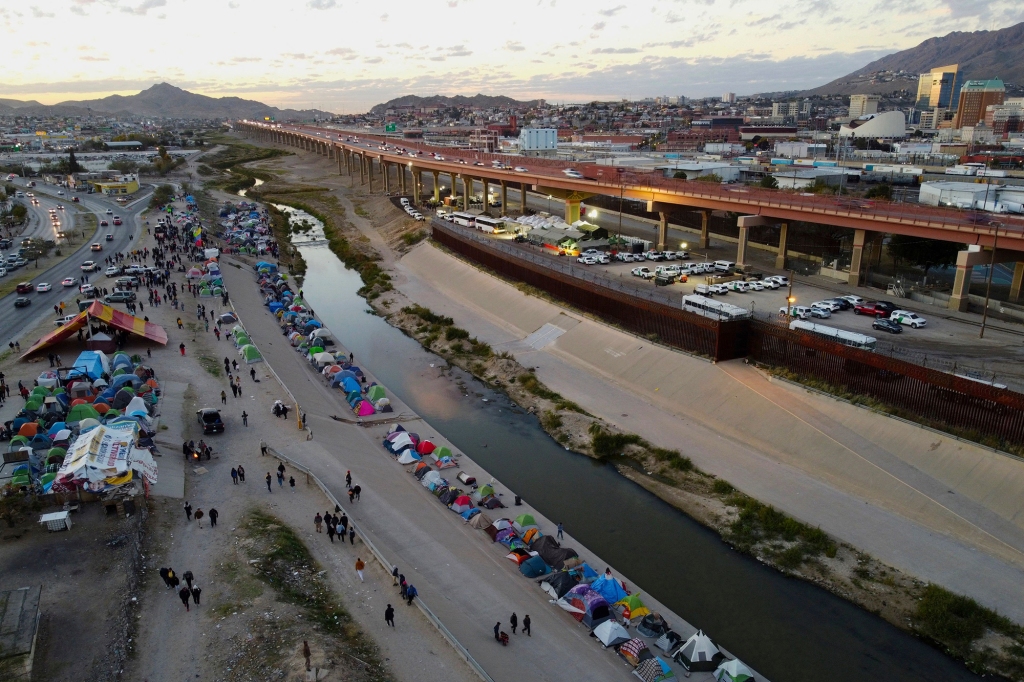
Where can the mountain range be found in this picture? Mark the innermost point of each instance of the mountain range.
(159, 101)
(459, 101)
(980, 54)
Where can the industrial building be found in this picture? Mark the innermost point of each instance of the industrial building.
(538, 142)
(972, 195)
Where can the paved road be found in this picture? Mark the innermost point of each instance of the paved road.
(15, 321)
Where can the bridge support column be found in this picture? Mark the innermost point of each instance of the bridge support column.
(467, 188)
(522, 198)
(959, 300)
(362, 169)
(572, 207)
(504, 197)
(662, 230)
(484, 189)
(745, 222)
(330, 151)
(780, 260)
(417, 186)
(369, 173)
(339, 157)
(437, 187)
(1018, 277)
(385, 170)
(859, 237)
(705, 218)
(401, 179)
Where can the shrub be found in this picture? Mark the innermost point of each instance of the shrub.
(453, 333)
(722, 487)
(957, 621)
(551, 421)
(410, 238)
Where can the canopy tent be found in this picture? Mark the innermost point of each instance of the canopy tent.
(104, 313)
(733, 671)
(699, 653)
(633, 607)
(610, 633)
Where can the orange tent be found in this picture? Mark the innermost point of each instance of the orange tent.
(28, 430)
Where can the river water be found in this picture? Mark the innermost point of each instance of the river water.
(787, 629)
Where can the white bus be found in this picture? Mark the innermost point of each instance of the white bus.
(490, 225)
(464, 219)
(726, 312)
(852, 339)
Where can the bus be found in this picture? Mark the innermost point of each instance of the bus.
(464, 219)
(725, 312)
(490, 225)
(851, 339)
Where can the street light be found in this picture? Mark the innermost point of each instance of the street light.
(592, 214)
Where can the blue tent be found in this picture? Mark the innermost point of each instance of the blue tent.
(90, 363)
(534, 567)
(275, 306)
(349, 384)
(609, 588)
(121, 380)
(58, 426)
(469, 513)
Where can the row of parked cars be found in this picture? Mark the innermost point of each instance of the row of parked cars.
(411, 210)
(888, 318)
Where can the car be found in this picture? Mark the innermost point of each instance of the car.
(110, 212)
(119, 297)
(781, 279)
(20, 263)
(885, 325)
(854, 300)
(3, 272)
(112, 270)
(69, 282)
(478, 163)
(104, 223)
(108, 238)
(134, 269)
(908, 318)
(64, 320)
(624, 257)
(21, 302)
(75, 200)
(874, 308)
(43, 286)
(521, 169)
(60, 207)
(770, 284)
(96, 246)
(842, 303)
(117, 221)
(24, 288)
(209, 419)
(60, 192)
(755, 286)
(826, 304)
(604, 259)
(90, 266)
(704, 290)
(587, 260)
(86, 288)
(800, 311)
(642, 272)
(574, 174)
(719, 289)
(821, 313)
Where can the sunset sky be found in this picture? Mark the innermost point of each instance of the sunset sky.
(346, 55)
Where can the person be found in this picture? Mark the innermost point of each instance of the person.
(410, 594)
(245, 418)
(181, 347)
(263, 448)
(199, 517)
(513, 622)
(175, 581)
(389, 615)
(181, 326)
(280, 468)
(348, 479)
(188, 578)
(223, 397)
(241, 473)
(234, 475)
(306, 653)
(291, 482)
(165, 577)
(402, 585)
(330, 532)
(394, 574)
(357, 490)
(185, 594)
(352, 535)
(269, 488)
(560, 529)
(608, 572)
(526, 625)
(280, 479)
(360, 565)
(252, 373)
(351, 495)
(195, 594)
(497, 631)
(213, 517)
(188, 511)
(344, 522)
(318, 521)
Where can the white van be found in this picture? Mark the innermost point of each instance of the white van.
(724, 265)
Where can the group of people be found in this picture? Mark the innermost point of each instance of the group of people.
(213, 514)
(190, 450)
(513, 623)
(189, 590)
(336, 525)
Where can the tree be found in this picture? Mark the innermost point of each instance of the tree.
(924, 253)
(882, 191)
(710, 177)
(769, 182)
(73, 165)
(124, 165)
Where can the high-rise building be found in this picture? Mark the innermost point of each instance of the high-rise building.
(975, 97)
(1006, 118)
(784, 109)
(729, 97)
(942, 86)
(861, 105)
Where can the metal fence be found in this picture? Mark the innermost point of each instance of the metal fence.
(649, 313)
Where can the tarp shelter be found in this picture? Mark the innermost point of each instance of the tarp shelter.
(558, 584)
(610, 633)
(654, 670)
(699, 654)
(101, 454)
(552, 554)
(633, 607)
(733, 671)
(90, 363)
(408, 456)
(104, 313)
(609, 588)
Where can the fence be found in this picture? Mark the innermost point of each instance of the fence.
(646, 312)
(940, 397)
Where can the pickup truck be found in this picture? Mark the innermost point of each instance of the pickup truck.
(643, 272)
(877, 309)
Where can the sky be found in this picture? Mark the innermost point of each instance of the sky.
(345, 56)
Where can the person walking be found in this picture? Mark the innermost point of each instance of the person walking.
(245, 418)
(497, 631)
(343, 522)
(280, 468)
(513, 622)
(174, 580)
(291, 483)
(165, 577)
(318, 521)
(234, 475)
(560, 529)
(351, 495)
(352, 535)
(252, 373)
(185, 594)
(330, 532)
(389, 615)
(213, 517)
(307, 654)
(199, 517)
(223, 397)
(526, 625)
(348, 479)
(188, 511)
(188, 578)
(357, 490)
(241, 473)
(410, 594)
(269, 488)
(181, 347)
(394, 574)
(359, 568)
(195, 594)
(280, 479)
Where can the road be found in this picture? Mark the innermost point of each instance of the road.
(15, 321)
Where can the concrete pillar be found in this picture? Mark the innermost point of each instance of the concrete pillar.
(959, 300)
(741, 248)
(572, 209)
(385, 170)
(369, 173)
(437, 187)
(780, 260)
(362, 169)
(662, 230)
(338, 157)
(1018, 276)
(487, 202)
(522, 198)
(859, 237)
(705, 218)
(504, 197)
(467, 188)
(401, 179)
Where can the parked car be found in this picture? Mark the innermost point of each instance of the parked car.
(842, 303)
(112, 270)
(820, 313)
(756, 286)
(800, 311)
(908, 318)
(624, 257)
(874, 308)
(781, 279)
(587, 260)
(719, 289)
(518, 169)
(642, 272)
(119, 297)
(826, 304)
(885, 325)
(209, 419)
(854, 300)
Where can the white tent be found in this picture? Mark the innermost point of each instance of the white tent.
(137, 404)
(733, 671)
(431, 478)
(699, 653)
(401, 440)
(408, 457)
(100, 454)
(324, 359)
(610, 633)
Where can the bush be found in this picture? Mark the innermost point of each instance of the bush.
(722, 487)
(607, 444)
(769, 182)
(453, 333)
(427, 315)
(551, 421)
(410, 238)
(957, 621)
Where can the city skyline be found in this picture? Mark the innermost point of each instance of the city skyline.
(345, 57)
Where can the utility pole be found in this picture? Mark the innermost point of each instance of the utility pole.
(988, 281)
(789, 297)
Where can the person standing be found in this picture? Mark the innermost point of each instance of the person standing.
(181, 347)
(389, 615)
(357, 489)
(560, 529)
(188, 577)
(394, 574)
(513, 622)
(245, 418)
(252, 373)
(195, 594)
(359, 568)
(213, 517)
(166, 578)
(410, 594)
(497, 631)
(185, 594)
(199, 517)
(307, 654)
(241, 473)
(318, 521)
(269, 488)
(348, 479)
(330, 532)
(188, 511)
(343, 522)
(352, 535)
(291, 483)
(280, 479)
(234, 475)
(223, 398)
(526, 625)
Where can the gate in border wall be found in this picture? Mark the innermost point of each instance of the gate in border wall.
(657, 321)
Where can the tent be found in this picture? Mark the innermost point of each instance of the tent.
(432, 478)
(699, 653)
(518, 555)
(498, 526)
(442, 452)
(91, 363)
(530, 535)
(654, 670)
(558, 584)
(534, 567)
(548, 548)
(652, 625)
(365, 409)
(324, 359)
(80, 412)
(375, 393)
(594, 610)
(635, 651)
(421, 470)
(524, 522)
(250, 354)
(461, 504)
(733, 671)
(633, 607)
(609, 588)
(424, 447)
(408, 457)
(610, 633)
(479, 521)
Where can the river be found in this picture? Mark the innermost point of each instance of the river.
(788, 629)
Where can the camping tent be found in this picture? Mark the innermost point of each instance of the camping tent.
(610, 633)
(523, 523)
(498, 526)
(479, 521)
(633, 607)
(594, 609)
(553, 555)
(461, 504)
(699, 653)
(408, 457)
(635, 651)
(609, 588)
(654, 670)
(733, 671)
(250, 354)
(534, 567)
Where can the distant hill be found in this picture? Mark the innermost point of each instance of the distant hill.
(980, 54)
(460, 101)
(159, 101)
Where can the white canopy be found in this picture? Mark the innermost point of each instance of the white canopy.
(408, 457)
(699, 648)
(324, 359)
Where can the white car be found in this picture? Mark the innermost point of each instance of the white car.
(719, 289)
(801, 311)
(112, 271)
(781, 279)
(770, 284)
(110, 211)
(43, 286)
(755, 286)
(587, 260)
(827, 305)
(820, 312)
(854, 300)
(624, 257)
(69, 282)
(89, 266)
(905, 317)
(643, 272)
(520, 169)
(736, 285)
(576, 175)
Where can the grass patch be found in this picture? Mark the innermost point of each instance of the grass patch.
(411, 238)
(761, 524)
(722, 487)
(427, 315)
(551, 421)
(957, 621)
(210, 365)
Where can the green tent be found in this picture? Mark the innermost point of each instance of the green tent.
(112, 413)
(33, 404)
(484, 490)
(238, 329)
(19, 440)
(59, 391)
(524, 520)
(376, 393)
(118, 372)
(635, 606)
(733, 671)
(80, 412)
(443, 451)
(242, 339)
(250, 354)
(41, 390)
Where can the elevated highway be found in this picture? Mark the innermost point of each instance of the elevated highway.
(373, 157)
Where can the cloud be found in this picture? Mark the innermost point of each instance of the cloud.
(144, 7)
(614, 50)
(40, 14)
(384, 17)
(514, 46)
(599, 26)
(93, 58)
(373, 60)
(612, 11)
(321, 4)
(343, 52)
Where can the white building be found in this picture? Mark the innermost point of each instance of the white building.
(729, 97)
(800, 150)
(538, 141)
(802, 178)
(785, 109)
(972, 195)
(727, 171)
(890, 124)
